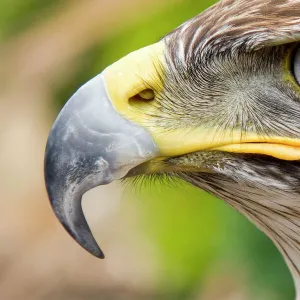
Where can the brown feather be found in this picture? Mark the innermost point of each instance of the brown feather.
(230, 25)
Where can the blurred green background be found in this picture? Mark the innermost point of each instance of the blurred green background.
(163, 242)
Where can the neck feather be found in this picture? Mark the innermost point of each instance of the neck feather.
(271, 202)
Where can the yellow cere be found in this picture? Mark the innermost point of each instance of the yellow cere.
(129, 77)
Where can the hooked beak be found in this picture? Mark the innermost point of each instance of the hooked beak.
(90, 144)
(107, 129)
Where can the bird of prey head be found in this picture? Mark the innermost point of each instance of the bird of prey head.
(216, 103)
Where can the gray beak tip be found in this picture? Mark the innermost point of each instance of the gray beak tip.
(90, 144)
(83, 236)
(89, 244)
(98, 254)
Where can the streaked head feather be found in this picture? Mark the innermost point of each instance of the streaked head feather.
(233, 24)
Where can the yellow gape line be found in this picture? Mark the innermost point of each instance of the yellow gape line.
(280, 151)
(181, 141)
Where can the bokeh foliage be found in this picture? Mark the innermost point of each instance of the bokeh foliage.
(17, 15)
(191, 230)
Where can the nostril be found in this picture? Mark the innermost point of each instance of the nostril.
(142, 97)
(147, 94)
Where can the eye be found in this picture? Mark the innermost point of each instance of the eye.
(296, 65)
(142, 98)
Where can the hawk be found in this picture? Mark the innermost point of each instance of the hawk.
(216, 103)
